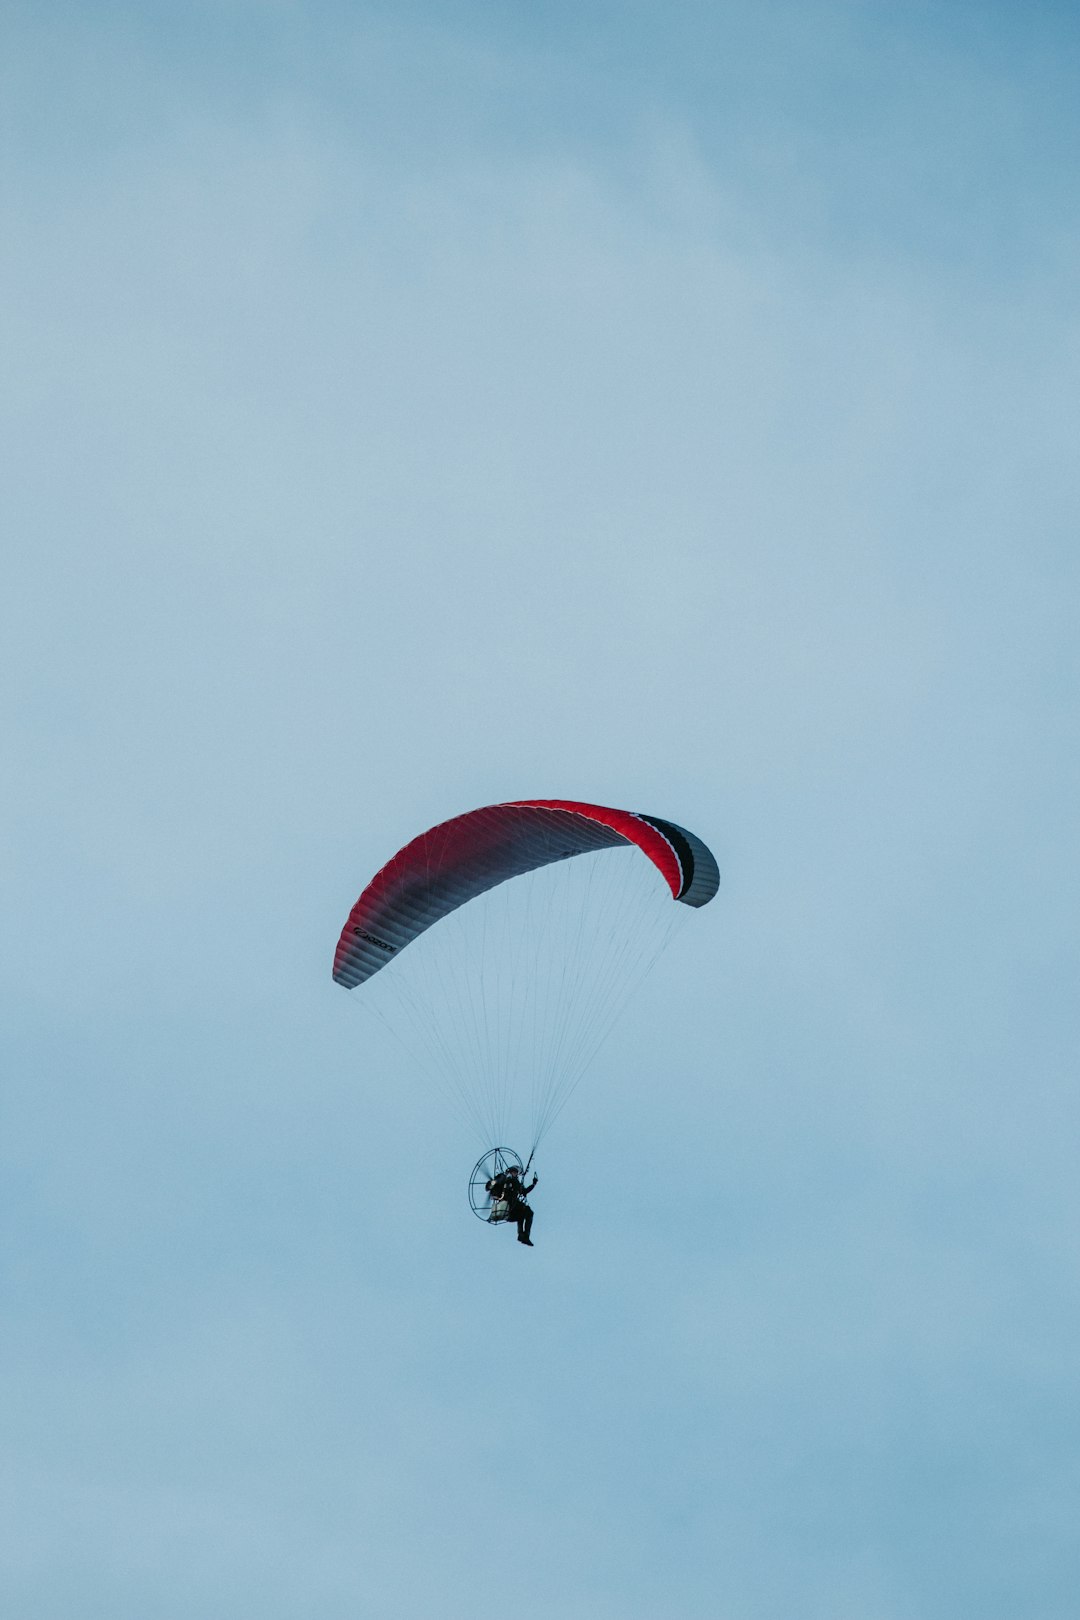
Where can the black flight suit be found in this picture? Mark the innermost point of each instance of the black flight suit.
(519, 1209)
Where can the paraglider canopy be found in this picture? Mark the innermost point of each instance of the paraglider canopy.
(462, 858)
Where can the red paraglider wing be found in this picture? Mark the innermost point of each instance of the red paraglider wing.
(467, 855)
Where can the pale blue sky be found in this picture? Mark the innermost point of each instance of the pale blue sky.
(409, 407)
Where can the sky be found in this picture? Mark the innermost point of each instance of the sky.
(409, 407)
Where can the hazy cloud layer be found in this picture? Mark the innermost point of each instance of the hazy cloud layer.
(421, 408)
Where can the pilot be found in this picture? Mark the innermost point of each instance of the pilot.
(507, 1187)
